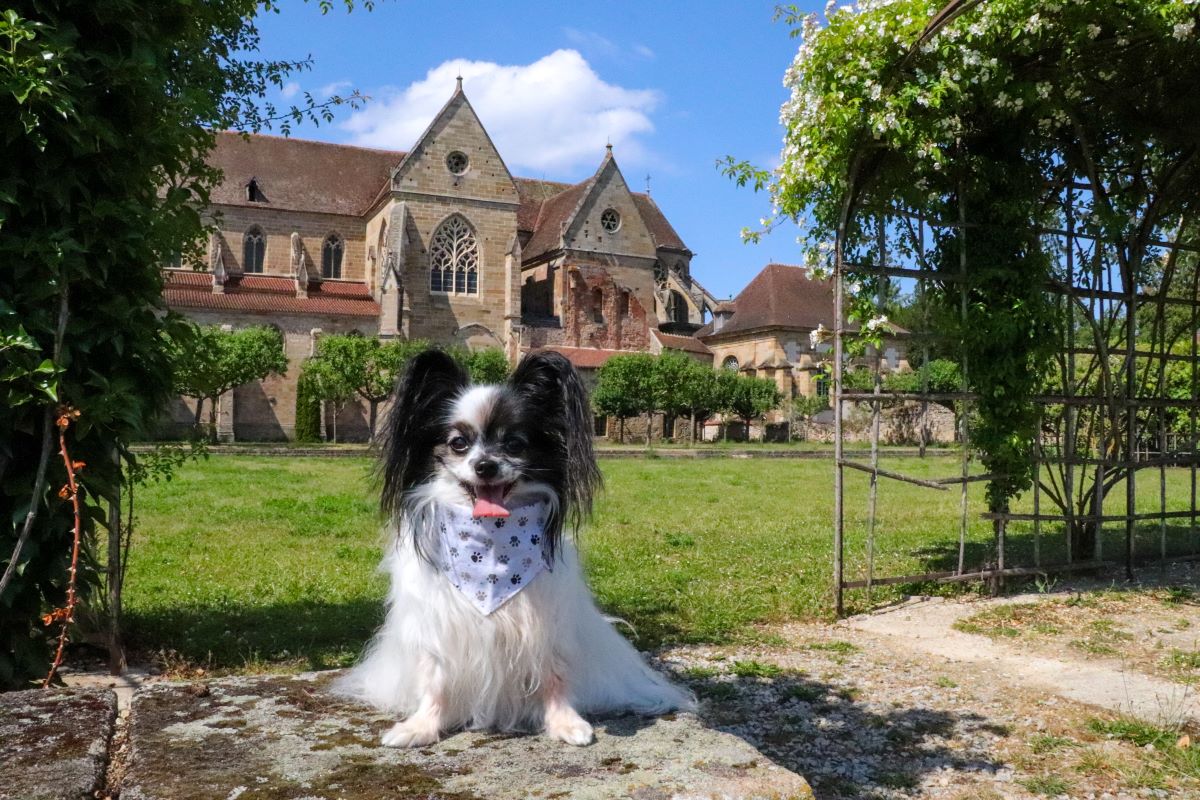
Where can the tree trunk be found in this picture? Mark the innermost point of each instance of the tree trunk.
(374, 410)
(1083, 541)
(212, 419)
(335, 416)
(199, 409)
(621, 430)
(693, 427)
(649, 425)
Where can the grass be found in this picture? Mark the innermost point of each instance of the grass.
(1165, 758)
(253, 563)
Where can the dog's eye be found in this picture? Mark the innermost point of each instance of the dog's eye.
(459, 444)
(514, 446)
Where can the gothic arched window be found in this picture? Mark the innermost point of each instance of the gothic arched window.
(730, 363)
(454, 258)
(331, 256)
(254, 250)
(677, 307)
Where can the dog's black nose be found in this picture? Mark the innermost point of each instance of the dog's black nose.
(487, 468)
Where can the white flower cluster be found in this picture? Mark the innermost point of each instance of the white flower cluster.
(877, 323)
(1183, 30)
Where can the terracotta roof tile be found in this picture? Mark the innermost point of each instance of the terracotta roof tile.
(268, 293)
(781, 296)
(586, 357)
(689, 344)
(300, 175)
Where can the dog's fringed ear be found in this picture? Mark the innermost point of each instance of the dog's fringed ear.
(416, 424)
(549, 382)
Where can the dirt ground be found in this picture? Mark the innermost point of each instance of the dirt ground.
(1092, 697)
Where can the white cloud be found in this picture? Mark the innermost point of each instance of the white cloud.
(588, 40)
(554, 115)
(330, 89)
(643, 51)
(289, 90)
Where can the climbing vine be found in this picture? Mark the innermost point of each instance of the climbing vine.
(982, 119)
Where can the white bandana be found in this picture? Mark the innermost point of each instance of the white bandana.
(490, 559)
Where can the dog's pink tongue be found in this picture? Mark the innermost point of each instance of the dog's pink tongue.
(487, 502)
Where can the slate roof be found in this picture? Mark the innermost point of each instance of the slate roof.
(781, 296)
(269, 294)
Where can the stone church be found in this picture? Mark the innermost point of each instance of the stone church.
(439, 242)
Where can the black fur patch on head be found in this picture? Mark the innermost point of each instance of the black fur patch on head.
(548, 388)
(417, 423)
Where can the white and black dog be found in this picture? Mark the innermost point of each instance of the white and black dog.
(490, 623)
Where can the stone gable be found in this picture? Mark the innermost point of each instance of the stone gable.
(456, 129)
(610, 191)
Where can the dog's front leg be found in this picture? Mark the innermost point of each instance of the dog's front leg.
(563, 722)
(424, 725)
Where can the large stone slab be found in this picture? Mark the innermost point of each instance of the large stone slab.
(54, 743)
(287, 738)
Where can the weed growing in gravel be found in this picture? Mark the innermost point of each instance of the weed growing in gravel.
(1048, 743)
(755, 669)
(1047, 785)
(835, 646)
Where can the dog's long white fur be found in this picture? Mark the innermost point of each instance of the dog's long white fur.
(494, 667)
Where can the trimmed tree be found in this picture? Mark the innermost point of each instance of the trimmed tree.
(670, 375)
(753, 398)
(698, 393)
(212, 361)
(625, 387)
(368, 365)
(329, 382)
(487, 365)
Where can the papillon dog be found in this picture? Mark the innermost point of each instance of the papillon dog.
(489, 621)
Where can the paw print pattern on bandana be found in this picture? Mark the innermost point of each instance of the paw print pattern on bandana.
(490, 570)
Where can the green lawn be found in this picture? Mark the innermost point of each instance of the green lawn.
(248, 563)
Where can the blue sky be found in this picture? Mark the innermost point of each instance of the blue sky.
(673, 86)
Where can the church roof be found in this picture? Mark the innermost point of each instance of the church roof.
(300, 175)
(781, 296)
(586, 357)
(269, 294)
(304, 175)
(688, 344)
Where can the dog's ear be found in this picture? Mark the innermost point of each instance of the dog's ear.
(423, 399)
(547, 381)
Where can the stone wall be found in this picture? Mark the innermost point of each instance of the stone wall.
(278, 225)
(266, 410)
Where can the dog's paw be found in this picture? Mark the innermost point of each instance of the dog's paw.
(411, 733)
(567, 726)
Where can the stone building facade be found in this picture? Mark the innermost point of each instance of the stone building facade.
(765, 332)
(439, 242)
